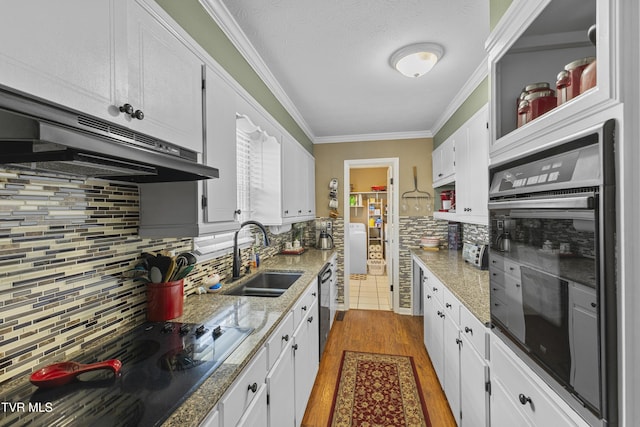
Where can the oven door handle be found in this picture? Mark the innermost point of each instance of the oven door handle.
(571, 202)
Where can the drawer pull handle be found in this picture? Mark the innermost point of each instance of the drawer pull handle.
(593, 304)
(295, 347)
(448, 305)
(310, 319)
(428, 296)
(313, 294)
(524, 399)
(285, 337)
(254, 387)
(435, 289)
(303, 308)
(468, 330)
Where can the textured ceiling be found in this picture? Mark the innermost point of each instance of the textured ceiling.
(331, 58)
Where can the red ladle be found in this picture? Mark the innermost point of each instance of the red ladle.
(65, 372)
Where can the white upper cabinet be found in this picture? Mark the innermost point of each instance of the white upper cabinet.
(471, 175)
(533, 42)
(298, 182)
(444, 162)
(95, 57)
(70, 52)
(165, 82)
(220, 150)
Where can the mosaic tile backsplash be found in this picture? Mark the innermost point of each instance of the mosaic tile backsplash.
(64, 244)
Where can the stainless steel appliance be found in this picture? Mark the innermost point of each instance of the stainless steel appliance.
(162, 364)
(324, 239)
(476, 255)
(553, 286)
(325, 282)
(42, 137)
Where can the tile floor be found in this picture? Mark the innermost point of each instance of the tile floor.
(368, 292)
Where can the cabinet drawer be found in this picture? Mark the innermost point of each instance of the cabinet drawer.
(497, 275)
(301, 307)
(474, 331)
(240, 394)
(451, 306)
(522, 391)
(433, 286)
(512, 268)
(280, 339)
(496, 261)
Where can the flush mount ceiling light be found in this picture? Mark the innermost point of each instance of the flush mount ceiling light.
(416, 59)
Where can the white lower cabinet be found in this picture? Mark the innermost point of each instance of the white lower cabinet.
(281, 386)
(457, 344)
(451, 384)
(504, 412)
(212, 420)
(274, 388)
(305, 359)
(520, 397)
(256, 414)
(244, 389)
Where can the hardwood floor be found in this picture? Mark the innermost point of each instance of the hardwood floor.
(376, 332)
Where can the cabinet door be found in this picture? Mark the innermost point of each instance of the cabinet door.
(443, 162)
(504, 412)
(309, 189)
(165, 82)
(436, 350)
(292, 179)
(472, 160)
(280, 388)
(473, 376)
(305, 342)
(451, 384)
(244, 390)
(256, 413)
(220, 151)
(67, 52)
(212, 419)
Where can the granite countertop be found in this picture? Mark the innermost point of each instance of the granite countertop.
(469, 284)
(263, 314)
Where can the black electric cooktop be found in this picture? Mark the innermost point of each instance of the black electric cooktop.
(162, 364)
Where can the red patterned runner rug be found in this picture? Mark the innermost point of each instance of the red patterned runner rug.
(378, 390)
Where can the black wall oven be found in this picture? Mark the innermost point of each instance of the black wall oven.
(552, 268)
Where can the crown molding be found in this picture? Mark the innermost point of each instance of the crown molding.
(223, 18)
(372, 137)
(470, 85)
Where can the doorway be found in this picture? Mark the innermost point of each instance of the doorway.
(371, 234)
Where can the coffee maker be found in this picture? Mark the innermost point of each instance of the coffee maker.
(324, 237)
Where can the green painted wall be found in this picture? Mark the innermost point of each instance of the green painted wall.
(497, 8)
(480, 95)
(196, 21)
(478, 98)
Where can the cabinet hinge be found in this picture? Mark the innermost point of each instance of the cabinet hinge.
(203, 201)
(391, 181)
(487, 125)
(487, 387)
(268, 399)
(204, 84)
(391, 288)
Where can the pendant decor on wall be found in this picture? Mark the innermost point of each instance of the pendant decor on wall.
(333, 198)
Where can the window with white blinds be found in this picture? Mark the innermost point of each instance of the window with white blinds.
(249, 174)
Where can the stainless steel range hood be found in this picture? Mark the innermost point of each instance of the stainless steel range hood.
(42, 137)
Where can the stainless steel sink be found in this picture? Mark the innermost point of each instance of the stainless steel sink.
(267, 284)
